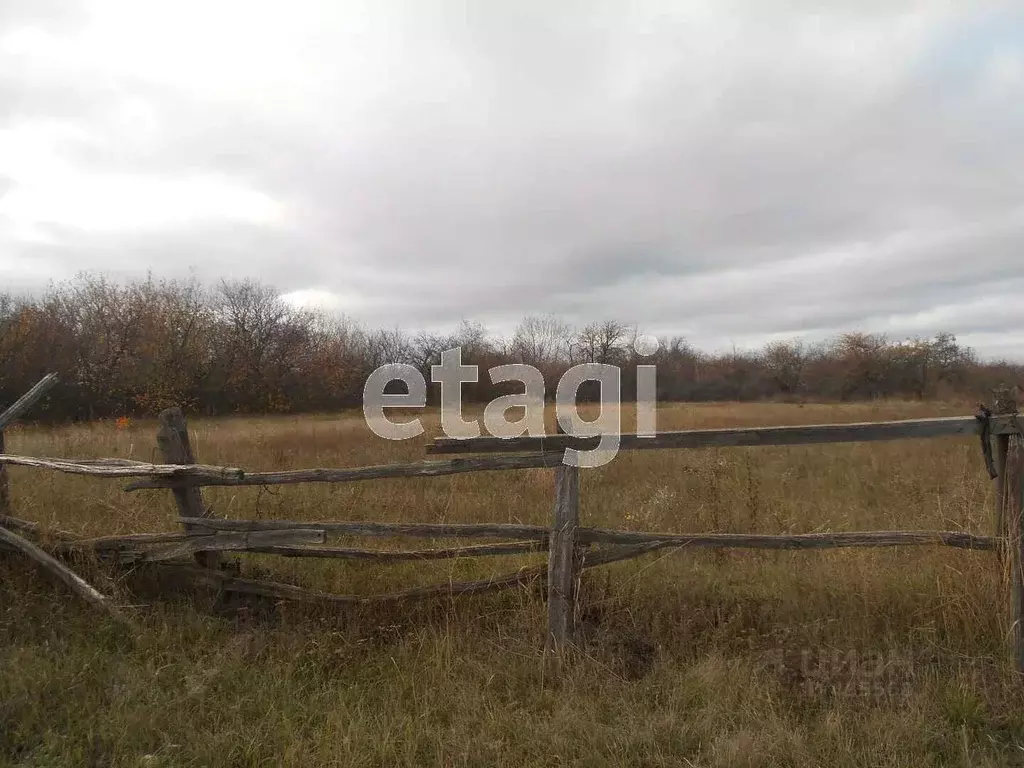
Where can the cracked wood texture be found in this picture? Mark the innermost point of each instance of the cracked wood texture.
(172, 438)
(564, 558)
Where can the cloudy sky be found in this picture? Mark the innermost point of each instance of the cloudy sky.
(728, 171)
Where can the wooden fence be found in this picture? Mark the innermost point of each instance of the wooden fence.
(571, 547)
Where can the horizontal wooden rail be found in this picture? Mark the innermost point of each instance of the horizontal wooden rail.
(272, 540)
(27, 526)
(246, 541)
(279, 591)
(394, 556)
(360, 528)
(256, 536)
(736, 437)
(535, 538)
(172, 475)
(592, 560)
(126, 541)
(958, 539)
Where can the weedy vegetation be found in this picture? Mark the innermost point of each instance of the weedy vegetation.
(846, 657)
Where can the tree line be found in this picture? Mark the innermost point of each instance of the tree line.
(132, 349)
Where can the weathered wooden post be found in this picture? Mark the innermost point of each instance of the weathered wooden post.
(1009, 464)
(564, 558)
(8, 417)
(1015, 483)
(173, 441)
(1004, 405)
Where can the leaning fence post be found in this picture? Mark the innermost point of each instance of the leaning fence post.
(5, 492)
(172, 439)
(9, 416)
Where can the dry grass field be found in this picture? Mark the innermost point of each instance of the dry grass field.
(839, 658)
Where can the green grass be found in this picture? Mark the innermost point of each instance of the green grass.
(845, 657)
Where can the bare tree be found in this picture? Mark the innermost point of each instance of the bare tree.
(105, 320)
(784, 362)
(262, 343)
(394, 346)
(862, 357)
(541, 340)
(601, 342)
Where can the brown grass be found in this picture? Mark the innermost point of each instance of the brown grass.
(848, 657)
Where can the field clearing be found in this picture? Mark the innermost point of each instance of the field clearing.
(843, 657)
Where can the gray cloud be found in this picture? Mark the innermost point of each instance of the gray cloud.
(729, 171)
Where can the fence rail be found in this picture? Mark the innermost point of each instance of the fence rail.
(571, 548)
(811, 434)
(173, 475)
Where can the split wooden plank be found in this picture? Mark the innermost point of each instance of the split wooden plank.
(121, 468)
(365, 528)
(279, 591)
(812, 434)
(76, 583)
(837, 540)
(383, 471)
(171, 475)
(585, 535)
(224, 542)
(392, 556)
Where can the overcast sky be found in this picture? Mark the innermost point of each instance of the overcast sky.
(727, 171)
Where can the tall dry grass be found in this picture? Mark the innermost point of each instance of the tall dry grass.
(847, 657)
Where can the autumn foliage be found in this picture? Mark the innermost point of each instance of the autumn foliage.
(127, 349)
